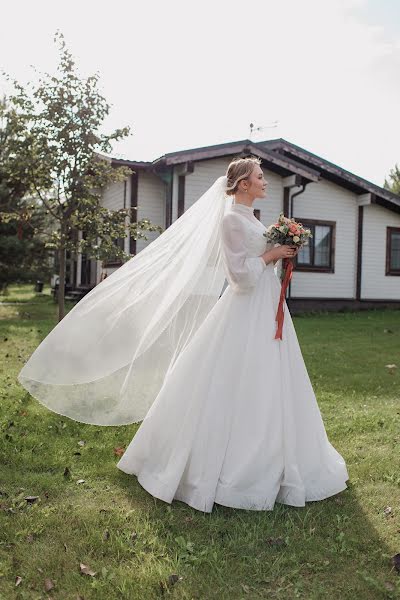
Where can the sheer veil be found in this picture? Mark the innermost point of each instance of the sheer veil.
(106, 361)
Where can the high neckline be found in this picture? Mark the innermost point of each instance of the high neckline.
(243, 208)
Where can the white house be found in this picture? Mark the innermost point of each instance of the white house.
(353, 259)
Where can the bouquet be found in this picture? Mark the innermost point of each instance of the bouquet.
(290, 232)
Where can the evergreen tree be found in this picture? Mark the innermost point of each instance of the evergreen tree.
(394, 180)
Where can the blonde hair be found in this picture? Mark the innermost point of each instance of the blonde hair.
(239, 168)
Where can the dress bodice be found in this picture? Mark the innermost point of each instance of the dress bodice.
(255, 241)
(243, 243)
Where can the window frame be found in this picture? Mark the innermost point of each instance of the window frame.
(389, 270)
(315, 268)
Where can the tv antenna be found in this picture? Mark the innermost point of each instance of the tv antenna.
(253, 128)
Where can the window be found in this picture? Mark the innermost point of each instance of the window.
(85, 270)
(393, 251)
(318, 255)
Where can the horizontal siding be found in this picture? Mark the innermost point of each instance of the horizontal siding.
(325, 200)
(272, 204)
(113, 196)
(206, 172)
(374, 283)
(175, 184)
(204, 175)
(113, 199)
(128, 204)
(151, 204)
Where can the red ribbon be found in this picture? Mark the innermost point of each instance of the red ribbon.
(288, 266)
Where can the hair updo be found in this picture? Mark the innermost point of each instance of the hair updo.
(239, 168)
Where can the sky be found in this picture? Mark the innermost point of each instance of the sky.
(186, 74)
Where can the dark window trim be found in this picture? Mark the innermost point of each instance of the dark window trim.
(181, 194)
(257, 213)
(389, 270)
(360, 228)
(314, 268)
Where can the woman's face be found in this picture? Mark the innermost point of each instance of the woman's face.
(256, 184)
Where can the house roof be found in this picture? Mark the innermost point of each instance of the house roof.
(333, 172)
(282, 157)
(283, 165)
(121, 162)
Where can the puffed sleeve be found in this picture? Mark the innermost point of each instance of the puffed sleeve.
(242, 271)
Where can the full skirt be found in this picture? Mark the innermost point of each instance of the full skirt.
(236, 421)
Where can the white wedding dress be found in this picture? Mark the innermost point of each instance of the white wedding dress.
(236, 421)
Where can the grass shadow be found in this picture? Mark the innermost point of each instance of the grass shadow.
(90, 512)
(329, 548)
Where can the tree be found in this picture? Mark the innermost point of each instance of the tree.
(23, 256)
(394, 180)
(67, 168)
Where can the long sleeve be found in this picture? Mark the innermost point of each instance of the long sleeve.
(242, 271)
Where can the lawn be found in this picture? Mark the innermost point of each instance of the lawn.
(64, 503)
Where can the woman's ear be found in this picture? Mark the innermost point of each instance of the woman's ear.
(243, 185)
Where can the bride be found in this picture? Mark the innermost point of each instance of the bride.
(229, 415)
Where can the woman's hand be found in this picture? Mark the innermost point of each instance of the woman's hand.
(278, 252)
(285, 251)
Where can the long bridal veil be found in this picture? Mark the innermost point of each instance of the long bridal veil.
(106, 361)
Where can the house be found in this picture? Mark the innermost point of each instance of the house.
(353, 259)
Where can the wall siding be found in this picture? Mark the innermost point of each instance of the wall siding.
(325, 200)
(374, 283)
(272, 204)
(207, 171)
(128, 204)
(204, 175)
(175, 183)
(113, 199)
(113, 196)
(151, 204)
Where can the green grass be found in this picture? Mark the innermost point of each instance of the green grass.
(339, 548)
(23, 293)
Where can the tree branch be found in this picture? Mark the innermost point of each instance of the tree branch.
(45, 201)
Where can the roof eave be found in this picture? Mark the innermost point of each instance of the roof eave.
(133, 164)
(285, 165)
(355, 182)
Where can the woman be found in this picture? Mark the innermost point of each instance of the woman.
(229, 413)
(236, 421)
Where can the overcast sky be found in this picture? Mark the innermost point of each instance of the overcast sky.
(185, 74)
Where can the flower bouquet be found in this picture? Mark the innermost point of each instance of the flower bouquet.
(290, 232)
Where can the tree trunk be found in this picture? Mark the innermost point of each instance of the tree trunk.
(61, 286)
